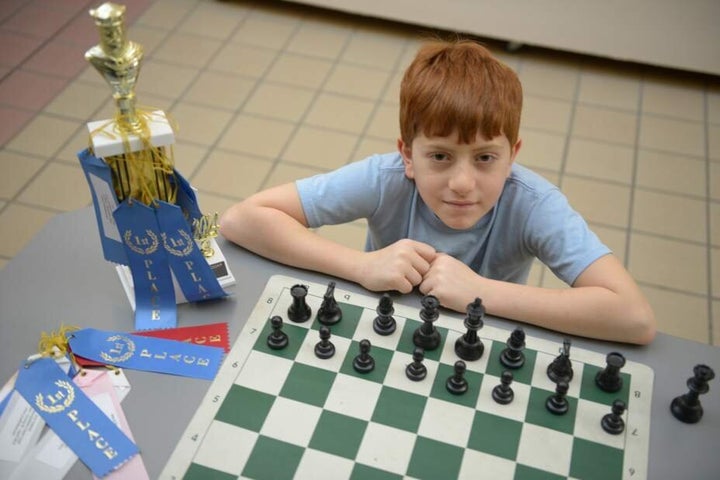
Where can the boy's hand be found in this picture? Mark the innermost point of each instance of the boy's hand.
(451, 281)
(400, 266)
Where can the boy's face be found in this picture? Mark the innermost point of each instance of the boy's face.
(459, 182)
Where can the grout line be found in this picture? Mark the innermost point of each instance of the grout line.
(633, 176)
(708, 215)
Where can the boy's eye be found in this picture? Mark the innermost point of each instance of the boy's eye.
(485, 158)
(438, 156)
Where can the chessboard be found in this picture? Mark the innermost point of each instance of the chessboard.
(284, 412)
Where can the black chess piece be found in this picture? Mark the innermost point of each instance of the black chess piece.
(364, 362)
(456, 383)
(561, 367)
(512, 356)
(503, 393)
(329, 312)
(426, 336)
(324, 348)
(416, 370)
(299, 311)
(469, 347)
(613, 422)
(609, 379)
(384, 323)
(557, 403)
(277, 340)
(687, 407)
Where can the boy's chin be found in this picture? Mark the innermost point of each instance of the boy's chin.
(460, 223)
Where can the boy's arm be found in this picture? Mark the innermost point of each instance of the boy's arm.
(605, 302)
(272, 224)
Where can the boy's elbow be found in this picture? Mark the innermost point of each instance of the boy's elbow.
(645, 326)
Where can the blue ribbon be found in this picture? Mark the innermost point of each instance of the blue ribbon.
(147, 353)
(154, 291)
(185, 198)
(84, 428)
(194, 275)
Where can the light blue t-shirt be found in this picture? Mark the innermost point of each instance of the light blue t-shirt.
(532, 219)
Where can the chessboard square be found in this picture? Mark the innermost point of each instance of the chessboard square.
(538, 414)
(308, 384)
(365, 330)
(347, 325)
(307, 356)
(201, 472)
(545, 449)
(273, 459)
(432, 459)
(592, 461)
(590, 391)
(399, 409)
(523, 472)
(447, 422)
(541, 380)
(587, 424)
(406, 344)
(523, 374)
(219, 448)
(495, 435)
(365, 472)
(515, 410)
(253, 411)
(353, 396)
(317, 464)
(295, 335)
(382, 358)
(386, 448)
(264, 372)
(291, 421)
(481, 466)
(338, 434)
(469, 398)
(396, 376)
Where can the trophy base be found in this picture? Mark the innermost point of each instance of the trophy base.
(106, 141)
(217, 263)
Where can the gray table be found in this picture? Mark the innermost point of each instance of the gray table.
(61, 277)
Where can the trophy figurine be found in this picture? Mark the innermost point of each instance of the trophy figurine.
(148, 216)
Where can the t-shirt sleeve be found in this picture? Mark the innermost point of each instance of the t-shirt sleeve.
(341, 196)
(561, 238)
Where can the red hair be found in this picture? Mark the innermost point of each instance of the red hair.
(458, 86)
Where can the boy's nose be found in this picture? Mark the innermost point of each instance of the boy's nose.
(462, 179)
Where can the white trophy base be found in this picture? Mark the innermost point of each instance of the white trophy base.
(217, 262)
(107, 141)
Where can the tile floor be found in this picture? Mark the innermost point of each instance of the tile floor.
(265, 92)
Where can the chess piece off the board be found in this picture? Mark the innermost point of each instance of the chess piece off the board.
(469, 347)
(687, 408)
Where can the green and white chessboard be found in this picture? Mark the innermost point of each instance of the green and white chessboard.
(282, 414)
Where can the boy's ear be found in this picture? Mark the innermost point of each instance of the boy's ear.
(515, 150)
(406, 153)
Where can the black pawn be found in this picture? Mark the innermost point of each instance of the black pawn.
(512, 356)
(503, 393)
(557, 403)
(561, 368)
(363, 362)
(277, 340)
(687, 408)
(384, 323)
(329, 312)
(299, 311)
(427, 336)
(609, 379)
(324, 348)
(456, 383)
(469, 347)
(416, 370)
(612, 422)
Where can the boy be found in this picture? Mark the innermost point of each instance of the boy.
(451, 213)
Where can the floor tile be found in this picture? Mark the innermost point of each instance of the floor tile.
(679, 314)
(374, 49)
(29, 90)
(325, 42)
(357, 81)
(12, 121)
(671, 172)
(614, 238)
(38, 21)
(58, 187)
(287, 173)
(231, 174)
(598, 202)
(79, 100)
(339, 113)
(265, 32)
(188, 157)
(214, 19)
(163, 80)
(316, 147)
(674, 216)
(166, 13)
(541, 149)
(17, 47)
(56, 59)
(715, 224)
(198, 124)
(602, 124)
(243, 132)
(545, 114)
(714, 180)
(211, 204)
(715, 271)
(219, 90)
(671, 135)
(18, 225)
(674, 97)
(370, 146)
(384, 123)
(714, 142)
(299, 70)
(713, 103)
(600, 160)
(81, 31)
(240, 59)
(279, 101)
(149, 37)
(43, 136)
(601, 85)
(716, 322)
(669, 263)
(10, 7)
(187, 49)
(16, 171)
(546, 77)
